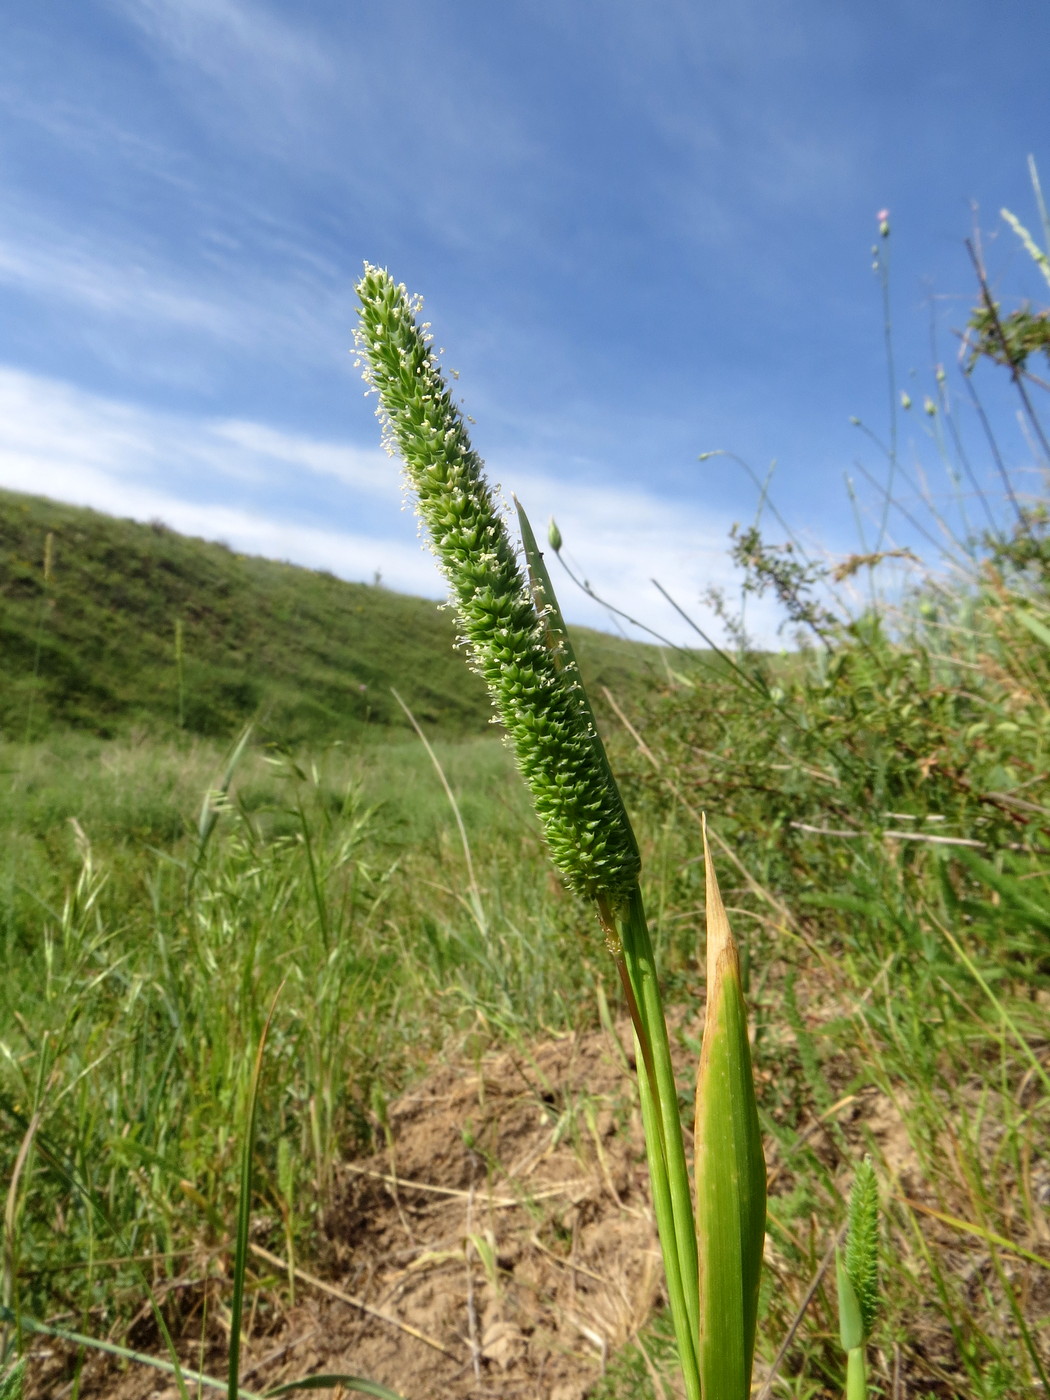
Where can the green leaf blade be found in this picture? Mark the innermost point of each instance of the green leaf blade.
(730, 1172)
(359, 1384)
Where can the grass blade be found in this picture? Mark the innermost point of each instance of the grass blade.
(209, 813)
(79, 1339)
(11, 1381)
(358, 1383)
(66, 1173)
(244, 1207)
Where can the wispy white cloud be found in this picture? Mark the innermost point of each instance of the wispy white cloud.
(80, 126)
(204, 32)
(226, 479)
(59, 441)
(367, 470)
(74, 271)
(622, 542)
(48, 424)
(281, 307)
(385, 110)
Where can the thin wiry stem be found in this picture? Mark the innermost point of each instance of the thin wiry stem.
(883, 266)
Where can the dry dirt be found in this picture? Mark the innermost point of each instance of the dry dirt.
(503, 1245)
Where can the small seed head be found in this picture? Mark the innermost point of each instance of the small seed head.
(862, 1242)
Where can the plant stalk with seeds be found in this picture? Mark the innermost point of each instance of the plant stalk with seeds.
(519, 644)
(857, 1274)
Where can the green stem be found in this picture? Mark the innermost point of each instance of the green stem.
(661, 1118)
(856, 1375)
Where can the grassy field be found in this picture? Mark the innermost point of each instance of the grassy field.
(447, 1190)
(886, 811)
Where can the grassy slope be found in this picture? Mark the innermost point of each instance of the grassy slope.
(899, 985)
(312, 656)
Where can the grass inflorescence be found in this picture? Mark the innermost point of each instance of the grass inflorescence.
(534, 685)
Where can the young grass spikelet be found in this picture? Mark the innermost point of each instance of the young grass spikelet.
(533, 683)
(857, 1273)
(862, 1242)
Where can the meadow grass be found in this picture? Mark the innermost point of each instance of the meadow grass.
(882, 840)
(118, 1026)
(900, 988)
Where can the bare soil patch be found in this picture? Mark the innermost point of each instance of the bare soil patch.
(502, 1245)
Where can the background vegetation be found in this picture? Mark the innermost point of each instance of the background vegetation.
(107, 624)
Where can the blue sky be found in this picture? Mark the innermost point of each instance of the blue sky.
(642, 232)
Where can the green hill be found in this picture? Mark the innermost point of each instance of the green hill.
(88, 627)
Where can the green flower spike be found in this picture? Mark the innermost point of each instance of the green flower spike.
(858, 1278)
(514, 633)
